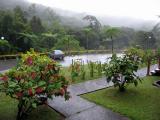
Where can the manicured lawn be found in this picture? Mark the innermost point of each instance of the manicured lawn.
(137, 103)
(8, 109)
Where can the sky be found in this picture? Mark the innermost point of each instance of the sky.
(139, 9)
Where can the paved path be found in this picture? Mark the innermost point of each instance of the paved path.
(78, 108)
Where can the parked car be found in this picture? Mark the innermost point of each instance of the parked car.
(57, 54)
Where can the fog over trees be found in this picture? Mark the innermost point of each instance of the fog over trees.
(25, 25)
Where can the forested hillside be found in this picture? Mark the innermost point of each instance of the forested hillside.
(24, 25)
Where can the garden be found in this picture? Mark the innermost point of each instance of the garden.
(124, 86)
(26, 87)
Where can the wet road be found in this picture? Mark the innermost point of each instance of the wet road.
(6, 64)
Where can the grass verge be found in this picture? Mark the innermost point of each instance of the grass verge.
(137, 103)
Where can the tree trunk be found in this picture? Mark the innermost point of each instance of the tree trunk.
(87, 43)
(158, 63)
(122, 88)
(148, 67)
(112, 45)
(20, 113)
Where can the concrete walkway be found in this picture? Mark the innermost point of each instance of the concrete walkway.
(78, 108)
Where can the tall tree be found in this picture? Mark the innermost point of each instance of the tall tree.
(93, 21)
(112, 32)
(146, 40)
(87, 32)
(36, 25)
(6, 26)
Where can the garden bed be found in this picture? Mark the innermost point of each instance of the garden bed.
(140, 103)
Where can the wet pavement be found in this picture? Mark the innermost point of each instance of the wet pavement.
(7, 64)
(78, 108)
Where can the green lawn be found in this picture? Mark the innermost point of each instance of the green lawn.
(8, 109)
(137, 103)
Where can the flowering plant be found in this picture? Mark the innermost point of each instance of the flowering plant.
(32, 81)
(121, 71)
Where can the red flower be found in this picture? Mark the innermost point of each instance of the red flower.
(19, 94)
(50, 67)
(65, 88)
(29, 61)
(33, 75)
(62, 91)
(4, 78)
(30, 92)
(39, 90)
(18, 78)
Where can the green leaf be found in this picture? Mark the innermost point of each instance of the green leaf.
(12, 84)
(34, 105)
(41, 83)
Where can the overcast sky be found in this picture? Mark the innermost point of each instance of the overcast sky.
(142, 9)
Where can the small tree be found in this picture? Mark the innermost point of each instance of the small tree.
(121, 71)
(32, 81)
(148, 56)
(158, 57)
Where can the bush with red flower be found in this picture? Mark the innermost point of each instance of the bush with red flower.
(35, 79)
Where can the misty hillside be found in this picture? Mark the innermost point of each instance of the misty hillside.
(73, 19)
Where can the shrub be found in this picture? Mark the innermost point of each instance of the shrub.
(32, 81)
(121, 71)
(77, 69)
(5, 47)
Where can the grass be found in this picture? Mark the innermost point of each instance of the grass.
(137, 103)
(66, 71)
(8, 110)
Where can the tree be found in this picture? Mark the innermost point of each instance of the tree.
(7, 26)
(20, 21)
(5, 47)
(48, 40)
(158, 57)
(87, 32)
(148, 56)
(93, 21)
(36, 25)
(26, 41)
(67, 43)
(121, 71)
(146, 40)
(95, 27)
(112, 32)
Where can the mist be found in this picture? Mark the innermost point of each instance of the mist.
(75, 19)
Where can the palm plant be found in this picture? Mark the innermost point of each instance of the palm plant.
(112, 32)
(87, 31)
